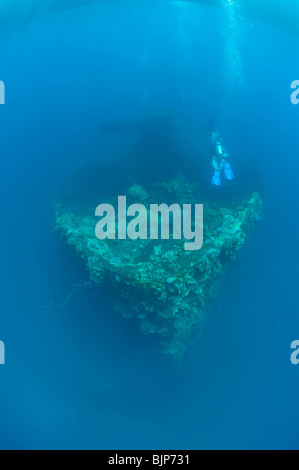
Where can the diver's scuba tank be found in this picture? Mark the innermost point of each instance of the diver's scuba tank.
(219, 148)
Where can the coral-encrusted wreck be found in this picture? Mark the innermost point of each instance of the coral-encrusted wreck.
(157, 282)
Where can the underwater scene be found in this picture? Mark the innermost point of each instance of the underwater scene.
(150, 261)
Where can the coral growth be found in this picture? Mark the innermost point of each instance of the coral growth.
(156, 282)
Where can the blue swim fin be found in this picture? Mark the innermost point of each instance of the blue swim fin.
(228, 171)
(216, 178)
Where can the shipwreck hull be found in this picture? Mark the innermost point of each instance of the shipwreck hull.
(157, 283)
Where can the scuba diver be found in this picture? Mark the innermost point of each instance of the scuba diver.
(220, 161)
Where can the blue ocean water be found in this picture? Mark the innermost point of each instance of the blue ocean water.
(79, 375)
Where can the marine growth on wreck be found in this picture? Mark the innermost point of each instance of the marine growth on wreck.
(157, 283)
